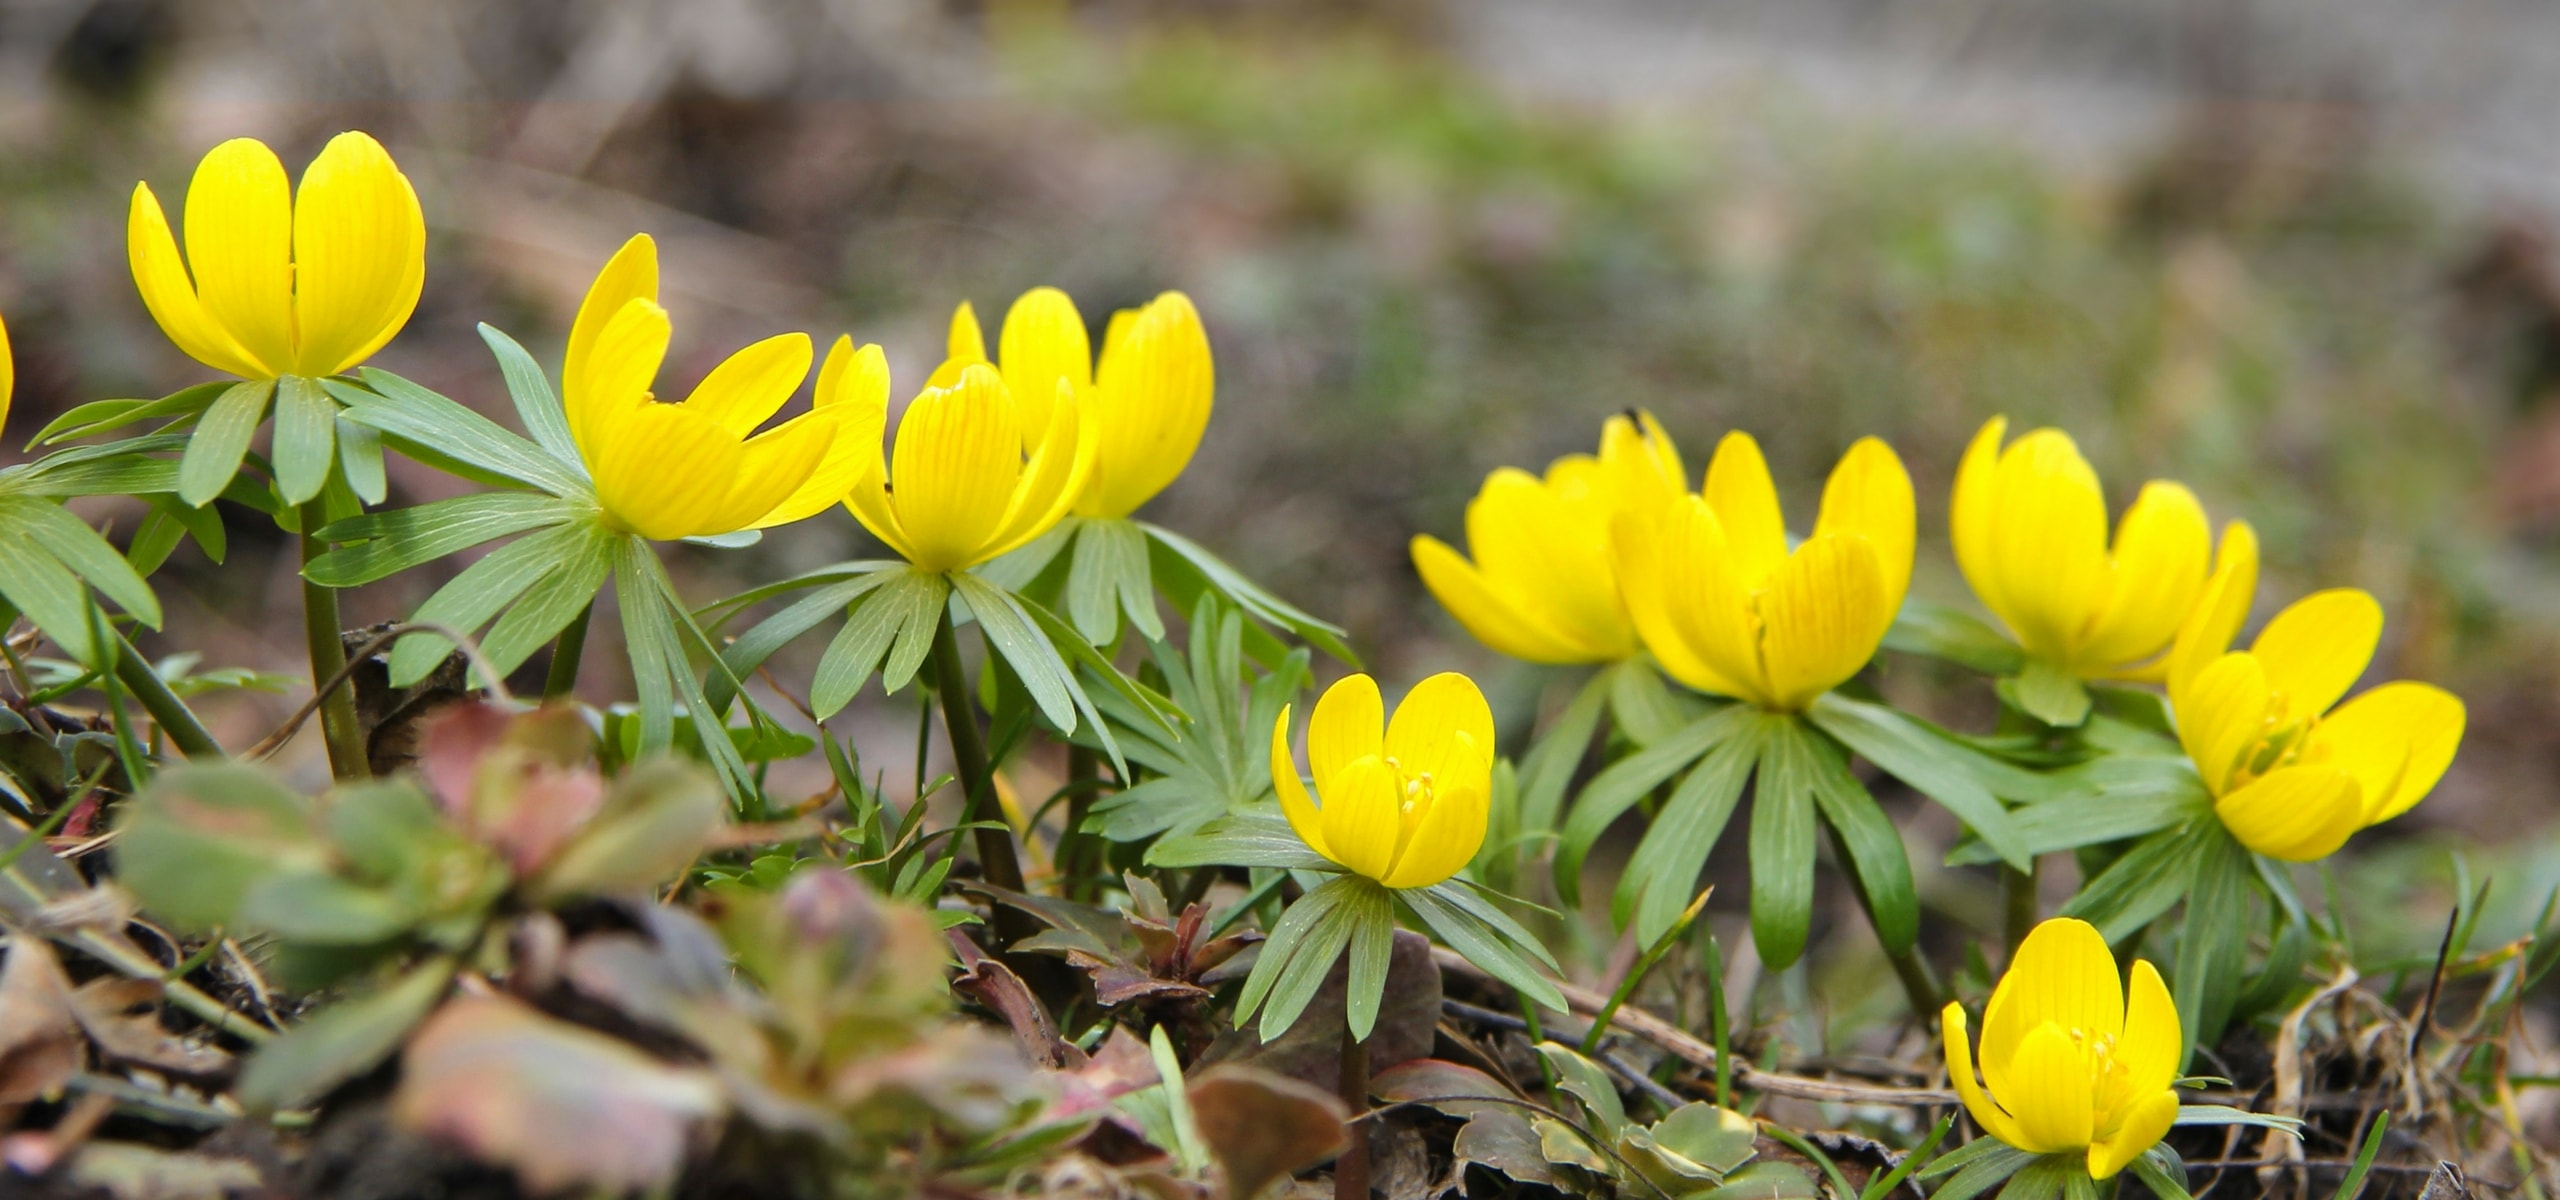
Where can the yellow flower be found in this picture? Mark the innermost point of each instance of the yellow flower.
(2030, 528)
(2291, 778)
(977, 470)
(8, 374)
(1727, 608)
(1542, 586)
(286, 283)
(2069, 1062)
(1408, 810)
(1148, 399)
(693, 469)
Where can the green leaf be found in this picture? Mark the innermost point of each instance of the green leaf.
(221, 440)
(654, 660)
(1239, 840)
(1017, 570)
(2213, 942)
(1995, 1167)
(1869, 844)
(1956, 776)
(343, 1040)
(1549, 767)
(53, 530)
(1034, 660)
(441, 428)
(899, 613)
(1296, 957)
(1372, 915)
(128, 467)
(99, 416)
(2050, 694)
(38, 585)
(1661, 878)
(2146, 882)
(1928, 628)
(305, 441)
(2094, 818)
(2155, 1175)
(536, 406)
(1586, 1082)
(770, 635)
(360, 460)
(552, 602)
(386, 543)
(484, 588)
(1782, 830)
(1204, 569)
(1644, 707)
(1499, 946)
(200, 839)
(311, 908)
(1626, 781)
(1151, 713)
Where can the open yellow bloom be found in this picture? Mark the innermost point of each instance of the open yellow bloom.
(1407, 810)
(976, 471)
(2290, 778)
(8, 374)
(2030, 528)
(1543, 586)
(2069, 1062)
(699, 468)
(1727, 608)
(1148, 399)
(307, 282)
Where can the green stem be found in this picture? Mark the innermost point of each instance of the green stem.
(1351, 1171)
(996, 855)
(176, 720)
(1084, 772)
(562, 681)
(323, 638)
(1919, 983)
(2019, 896)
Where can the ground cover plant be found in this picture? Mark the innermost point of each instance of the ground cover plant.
(1152, 931)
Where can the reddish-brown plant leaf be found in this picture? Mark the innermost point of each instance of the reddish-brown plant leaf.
(1262, 1127)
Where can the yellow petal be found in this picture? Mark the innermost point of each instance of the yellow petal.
(162, 279)
(2148, 1048)
(239, 233)
(2063, 974)
(8, 374)
(1349, 723)
(2050, 1092)
(1973, 515)
(2222, 714)
(1051, 481)
(1746, 505)
(631, 274)
(2316, 648)
(2396, 740)
(1960, 1071)
(2143, 1127)
(1153, 392)
(965, 345)
(748, 387)
(621, 362)
(1043, 342)
(1822, 617)
(1549, 557)
(1445, 842)
(359, 255)
(1295, 803)
(772, 467)
(953, 472)
(663, 472)
(1639, 465)
(2225, 604)
(1443, 729)
(2163, 551)
(1869, 494)
(1635, 554)
(2049, 543)
(2297, 813)
(1487, 615)
(853, 385)
(1361, 814)
(1709, 609)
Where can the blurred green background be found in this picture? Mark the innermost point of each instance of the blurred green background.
(2297, 255)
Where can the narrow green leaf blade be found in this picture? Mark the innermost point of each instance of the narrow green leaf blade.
(382, 544)
(305, 444)
(221, 440)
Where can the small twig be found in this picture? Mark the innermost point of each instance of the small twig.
(268, 745)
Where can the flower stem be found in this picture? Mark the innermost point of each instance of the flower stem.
(322, 637)
(969, 756)
(562, 680)
(1084, 773)
(1351, 1170)
(2018, 895)
(1919, 983)
(176, 720)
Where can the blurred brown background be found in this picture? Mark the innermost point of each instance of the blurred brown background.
(2297, 253)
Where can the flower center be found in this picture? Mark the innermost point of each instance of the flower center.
(2282, 741)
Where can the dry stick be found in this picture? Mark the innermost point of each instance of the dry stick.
(2287, 1100)
(1681, 1045)
(275, 741)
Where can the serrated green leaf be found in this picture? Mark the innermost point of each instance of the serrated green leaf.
(536, 406)
(305, 439)
(382, 544)
(221, 440)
